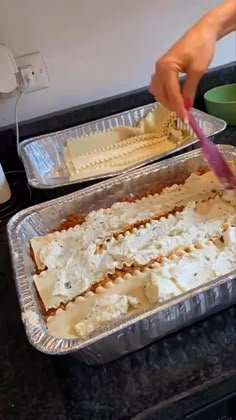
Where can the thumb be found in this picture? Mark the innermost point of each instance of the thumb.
(190, 85)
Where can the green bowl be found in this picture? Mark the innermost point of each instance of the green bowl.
(221, 102)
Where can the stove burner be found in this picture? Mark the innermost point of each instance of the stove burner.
(20, 196)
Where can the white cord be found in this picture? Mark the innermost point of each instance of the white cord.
(16, 117)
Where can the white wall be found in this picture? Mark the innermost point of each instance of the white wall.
(95, 48)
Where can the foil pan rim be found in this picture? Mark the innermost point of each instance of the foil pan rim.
(41, 136)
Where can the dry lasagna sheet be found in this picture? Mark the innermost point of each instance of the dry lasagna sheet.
(135, 254)
(120, 148)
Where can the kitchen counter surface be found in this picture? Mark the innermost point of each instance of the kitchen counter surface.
(165, 381)
(35, 386)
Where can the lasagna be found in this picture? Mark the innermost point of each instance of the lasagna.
(100, 268)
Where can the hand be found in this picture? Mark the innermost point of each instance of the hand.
(191, 55)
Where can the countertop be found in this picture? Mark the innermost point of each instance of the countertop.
(166, 380)
(190, 366)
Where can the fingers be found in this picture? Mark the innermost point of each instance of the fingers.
(166, 89)
(191, 84)
(157, 89)
(175, 98)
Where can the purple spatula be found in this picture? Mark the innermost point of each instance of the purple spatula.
(212, 154)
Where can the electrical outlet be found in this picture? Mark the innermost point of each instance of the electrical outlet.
(39, 71)
(27, 76)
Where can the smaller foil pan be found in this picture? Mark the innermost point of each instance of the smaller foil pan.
(43, 158)
(142, 328)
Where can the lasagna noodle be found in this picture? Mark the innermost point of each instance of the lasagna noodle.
(122, 147)
(101, 164)
(101, 139)
(116, 158)
(155, 120)
(87, 144)
(161, 120)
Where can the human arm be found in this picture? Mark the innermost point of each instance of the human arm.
(191, 55)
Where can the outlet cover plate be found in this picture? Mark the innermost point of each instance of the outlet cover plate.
(39, 69)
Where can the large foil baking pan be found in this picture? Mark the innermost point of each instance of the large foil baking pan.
(43, 156)
(143, 327)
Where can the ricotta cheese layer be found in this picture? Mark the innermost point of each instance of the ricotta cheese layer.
(143, 250)
(106, 309)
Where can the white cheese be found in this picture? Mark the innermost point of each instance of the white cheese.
(190, 271)
(160, 288)
(229, 237)
(75, 269)
(106, 309)
(194, 269)
(163, 281)
(103, 223)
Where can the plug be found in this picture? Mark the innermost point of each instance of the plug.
(27, 76)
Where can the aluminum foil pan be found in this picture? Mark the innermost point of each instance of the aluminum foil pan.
(142, 328)
(43, 156)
